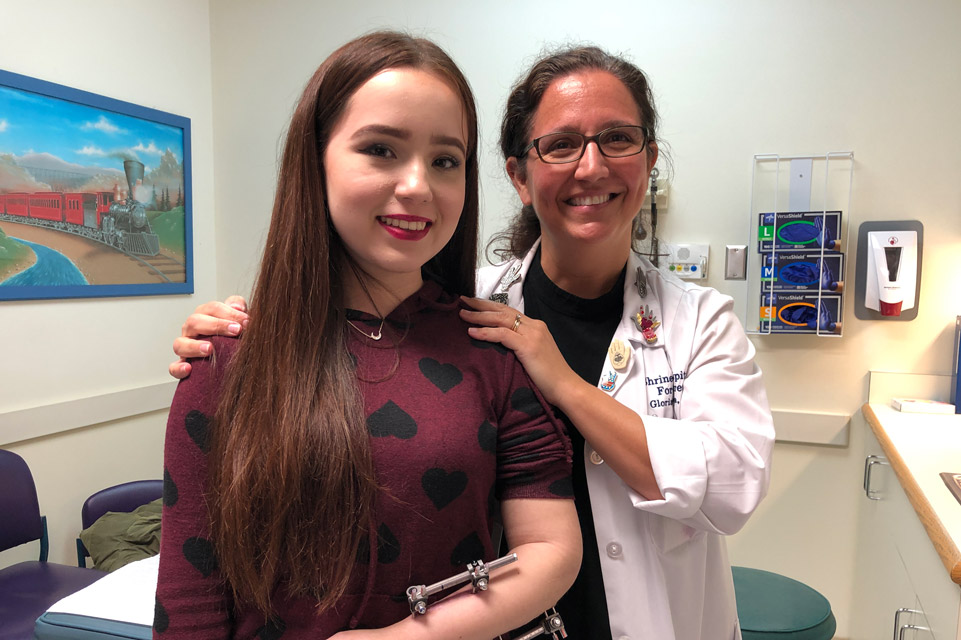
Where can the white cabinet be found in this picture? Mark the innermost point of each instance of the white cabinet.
(903, 591)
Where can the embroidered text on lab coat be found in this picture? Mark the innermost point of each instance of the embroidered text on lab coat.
(667, 387)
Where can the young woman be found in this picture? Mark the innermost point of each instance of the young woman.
(373, 453)
(657, 382)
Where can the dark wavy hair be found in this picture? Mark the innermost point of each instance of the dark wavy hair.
(522, 103)
(292, 483)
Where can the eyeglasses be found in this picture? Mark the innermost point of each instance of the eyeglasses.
(567, 146)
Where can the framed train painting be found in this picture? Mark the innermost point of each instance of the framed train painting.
(95, 195)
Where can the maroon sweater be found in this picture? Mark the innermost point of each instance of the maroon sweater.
(457, 426)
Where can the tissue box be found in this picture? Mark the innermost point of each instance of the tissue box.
(914, 405)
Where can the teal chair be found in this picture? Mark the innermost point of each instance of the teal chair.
(771, 606)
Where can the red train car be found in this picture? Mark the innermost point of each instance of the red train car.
(47, 206)
(17, 204)
(82, 209)
(104, 200)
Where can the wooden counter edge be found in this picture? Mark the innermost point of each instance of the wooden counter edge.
(947, 550)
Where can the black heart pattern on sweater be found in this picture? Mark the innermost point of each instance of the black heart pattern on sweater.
(273, 630)
(197, 428)
(388, 547)
(443, 488)
(467, 550)
(487, 437)
(199, 552)
(170, 492)
(391, 420)
(524, 400)
(161, 621)
(483, 344)
(563, 487)
(443, 376)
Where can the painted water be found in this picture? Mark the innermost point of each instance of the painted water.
(52, 268)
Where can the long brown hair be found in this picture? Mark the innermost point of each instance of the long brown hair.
(292, 483)
(522, 104)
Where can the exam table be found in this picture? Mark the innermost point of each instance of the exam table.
(118, 606)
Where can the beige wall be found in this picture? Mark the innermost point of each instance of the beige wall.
(152, 54)
(732, 80)
(69, 467)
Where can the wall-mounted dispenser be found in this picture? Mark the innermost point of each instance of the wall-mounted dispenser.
(892, 269)
(888, 276)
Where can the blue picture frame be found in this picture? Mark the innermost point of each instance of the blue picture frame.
(95, 195)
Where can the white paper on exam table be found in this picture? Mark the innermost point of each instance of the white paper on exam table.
(126, 595)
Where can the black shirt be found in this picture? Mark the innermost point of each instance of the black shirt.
(583, 330)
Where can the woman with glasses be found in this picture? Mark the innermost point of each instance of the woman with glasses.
(654, 376)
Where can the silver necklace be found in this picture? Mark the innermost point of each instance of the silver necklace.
(372, 336)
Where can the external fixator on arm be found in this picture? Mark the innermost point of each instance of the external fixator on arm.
(478, 574)
(549, 625)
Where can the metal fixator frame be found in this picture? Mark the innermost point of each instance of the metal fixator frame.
(477, 573)
(550, 625)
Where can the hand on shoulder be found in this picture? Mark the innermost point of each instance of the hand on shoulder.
(228, 318)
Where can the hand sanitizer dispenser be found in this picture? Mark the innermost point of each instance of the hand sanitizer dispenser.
(889, 270)
(892, 270)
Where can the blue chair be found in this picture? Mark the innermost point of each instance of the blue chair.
(771, 606)
(27, 589)
(122, 498)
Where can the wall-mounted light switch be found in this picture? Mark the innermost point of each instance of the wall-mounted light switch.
(735, 262)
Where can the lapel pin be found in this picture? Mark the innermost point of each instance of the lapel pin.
(619, 354)
(510, 278)
(647, 324)
(640, 281)
(608, 384)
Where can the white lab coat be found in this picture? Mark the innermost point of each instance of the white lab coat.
(664, 562)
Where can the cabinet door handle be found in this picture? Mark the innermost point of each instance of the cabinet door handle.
(864, 477)
(869, 463)
(910, 626)
(898, 627)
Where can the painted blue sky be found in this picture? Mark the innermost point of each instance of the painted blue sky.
(78, 134)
